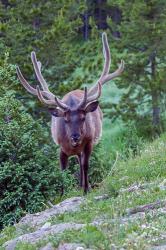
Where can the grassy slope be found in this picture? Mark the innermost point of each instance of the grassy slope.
(148, 168)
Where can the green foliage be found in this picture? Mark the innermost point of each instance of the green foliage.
(98, 165)
(44, 24)
(120, 140)
(142, 46)
(7, 76)
(90, 236)
(29, 171)
(7, 233)
(131, 141)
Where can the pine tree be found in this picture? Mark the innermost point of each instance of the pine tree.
(49, 28)
(143, 30)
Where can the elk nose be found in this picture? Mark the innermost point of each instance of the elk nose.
(75, 137)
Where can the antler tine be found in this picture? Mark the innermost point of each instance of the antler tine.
(97, 95)
(109, 77)
(91, 98)
(107, 62)
(105, 76)
(84, 99)
(52, 100)
(37, 68)
(42, 99)
(24, 82)
(60, 104)
(107, 55)
(39, 65)
(29, 88)
(55, 102)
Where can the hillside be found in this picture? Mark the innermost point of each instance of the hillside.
(128, 211)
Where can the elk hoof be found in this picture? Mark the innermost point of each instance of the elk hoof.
(62, 191)
(86, 190)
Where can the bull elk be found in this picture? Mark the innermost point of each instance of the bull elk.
(76, 123)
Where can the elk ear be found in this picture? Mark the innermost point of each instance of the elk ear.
(91, 107)
(57, 112)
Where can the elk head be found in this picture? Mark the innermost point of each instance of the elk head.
(75, 117)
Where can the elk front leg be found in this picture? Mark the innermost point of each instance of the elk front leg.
(63, 160)
(85, 161)
(63, 164)
(81, 170)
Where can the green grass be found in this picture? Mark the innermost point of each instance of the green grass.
(111, 130)
(148, 167)
(112, 136)
(115, 132)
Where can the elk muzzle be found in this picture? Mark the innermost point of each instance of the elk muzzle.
(75, 139)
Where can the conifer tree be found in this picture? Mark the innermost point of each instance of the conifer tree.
(49, 28)
(143, 30)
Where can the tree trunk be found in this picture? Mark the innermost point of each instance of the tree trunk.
(155, 98)
(116, 15)
(86, 26)
(100, 14)
(156, 109)
(5, 2)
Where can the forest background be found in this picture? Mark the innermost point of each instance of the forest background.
(66, 36)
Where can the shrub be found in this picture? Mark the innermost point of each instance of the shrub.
(132, 141)
(98, 165)
(29, 171)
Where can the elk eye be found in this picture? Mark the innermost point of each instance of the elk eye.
(82, 118)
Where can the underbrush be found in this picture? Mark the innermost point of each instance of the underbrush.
(29, 171)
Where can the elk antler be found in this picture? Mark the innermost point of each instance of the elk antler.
(96, 95)
(37, 68)
(82, 104)
(42, 94)
(105, 76)
(55, 102)
(48, 98)
(86, 99)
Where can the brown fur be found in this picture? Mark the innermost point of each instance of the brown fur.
(92, 130)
